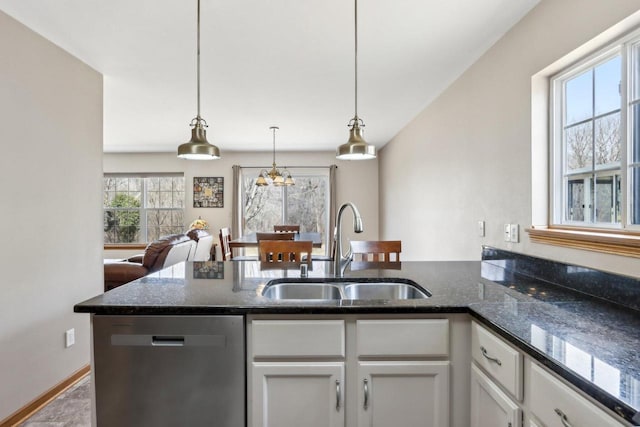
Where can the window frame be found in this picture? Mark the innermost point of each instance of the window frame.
(143, 202)
(298, 172)
(545, 229)
(558, 180)
(557, 192)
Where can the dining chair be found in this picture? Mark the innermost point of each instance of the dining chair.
(225, 247)
(286, 228)
(284, 251)
(275, 236)
(376, 250)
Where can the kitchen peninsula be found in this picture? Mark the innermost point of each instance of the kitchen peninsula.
(556, 336)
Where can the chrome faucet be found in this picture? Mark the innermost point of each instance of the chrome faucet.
(341, 261)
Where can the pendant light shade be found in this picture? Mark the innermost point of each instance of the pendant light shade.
(274, 176)
(198, 148)
(356, 148)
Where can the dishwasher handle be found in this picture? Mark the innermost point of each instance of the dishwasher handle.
(167, 341)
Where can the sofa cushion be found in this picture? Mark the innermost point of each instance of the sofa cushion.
(117, 273)
(196, 234)
(156, 251)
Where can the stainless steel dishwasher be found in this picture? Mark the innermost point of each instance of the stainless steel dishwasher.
(169, 370)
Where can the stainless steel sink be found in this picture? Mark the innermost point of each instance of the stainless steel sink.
(399, 289)
(320, 291)
(383, 290)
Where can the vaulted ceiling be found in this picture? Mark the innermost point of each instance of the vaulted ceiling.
(269, 62)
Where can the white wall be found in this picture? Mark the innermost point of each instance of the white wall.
(50, 220)
(467, 156)
(357, 181)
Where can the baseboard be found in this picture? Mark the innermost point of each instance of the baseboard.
(25, 412)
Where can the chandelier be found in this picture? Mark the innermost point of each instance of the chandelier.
(274, 176)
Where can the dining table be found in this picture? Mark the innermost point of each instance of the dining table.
(250, 240)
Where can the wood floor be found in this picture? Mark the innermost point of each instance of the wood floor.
(71, 409)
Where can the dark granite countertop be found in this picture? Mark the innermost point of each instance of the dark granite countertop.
(590, 342)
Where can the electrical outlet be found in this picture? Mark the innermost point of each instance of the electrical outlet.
(507, 232)
(514, 233)
(70, 338)
(481, 228)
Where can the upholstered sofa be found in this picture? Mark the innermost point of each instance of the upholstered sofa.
(169, 250)
(204, 245)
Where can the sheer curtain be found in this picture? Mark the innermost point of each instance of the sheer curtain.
(236, 200)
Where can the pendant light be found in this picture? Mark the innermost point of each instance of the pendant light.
(274, 176)
(356, 148)
(198, 148)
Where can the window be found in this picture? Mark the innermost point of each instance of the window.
(142, 208)
(305, 203)
(596, 141)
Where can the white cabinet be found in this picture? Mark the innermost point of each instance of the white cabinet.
(407, 394)
(373, 372)
(498, 359)
(298, 394)
(490, 406)
(498, 383)
(394, 386)
(555, 404)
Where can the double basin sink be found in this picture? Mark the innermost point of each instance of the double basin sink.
(364, 289)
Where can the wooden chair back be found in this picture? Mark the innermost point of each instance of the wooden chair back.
(284, 251)
(225, 247)
(286, 228)
(376, 250)
(274, 236)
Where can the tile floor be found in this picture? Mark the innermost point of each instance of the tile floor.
(71, 409)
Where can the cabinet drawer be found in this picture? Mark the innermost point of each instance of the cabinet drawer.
(500, 360)
(550, 398)
(298, 338)
(403, 338)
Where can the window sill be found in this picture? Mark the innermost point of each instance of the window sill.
(125, 246)
(607, 241)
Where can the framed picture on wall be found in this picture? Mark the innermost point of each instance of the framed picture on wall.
(208, 192)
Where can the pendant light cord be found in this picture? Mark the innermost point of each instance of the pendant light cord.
(198, 61)
(356, 58)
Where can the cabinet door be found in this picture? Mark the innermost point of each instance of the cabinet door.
(490, 406)
(407, 394)
(298, 394)
(557, 405)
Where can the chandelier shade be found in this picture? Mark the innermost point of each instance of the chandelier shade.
(274, 176)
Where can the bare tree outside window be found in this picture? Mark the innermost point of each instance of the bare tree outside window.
(592, 144)
(305, 204)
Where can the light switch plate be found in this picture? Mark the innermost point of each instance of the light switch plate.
(69, 337)
(514, 233)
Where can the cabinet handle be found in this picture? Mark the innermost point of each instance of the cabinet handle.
(366, 393)
(563, 418)
(491, 359)
(338, 397)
